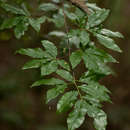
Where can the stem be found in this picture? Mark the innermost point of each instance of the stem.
(77, 86)
(66, 29)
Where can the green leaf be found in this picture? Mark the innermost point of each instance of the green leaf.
(49, 68)
(100, 121)
(52, 81)
(12, 9)
(56, 1)
(58, 20)
(36, 23)
(108, 42)
(20, 28)
(96, 63)
(34, 64)
(67, 101)
(50, 48)
(70, 15)
(54, 92)
(65, 74)
(96, 18)
(77, 116)
(75, 58)
(74, 38)
(48, 7)
(96, 91)
(105, 57)
(100, 117)
(57, 34)
(9, 23)
(64, 64)
(93, 6)
(84, 38)
(34, 53)
(110, 33)
(90, 76)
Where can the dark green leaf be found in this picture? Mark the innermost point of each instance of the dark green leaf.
(105, 57)
(93, 6)
(48, 7)
(50, 48)
(58, 20)
(100, 118)
(34, 64)
(109, 33)
(20, 28)
(77, 116)
(90, 76)
(67, 101)
(74, 38)
(49, 68)
(108, 42)
(9, 23)
(34, 53)
(84, 37)
(65, 74)
(36, 23)
(75, 58)
(12, 9)
(64, 64)
(100, 121)
(54, 92)
(96, 18)
(96, 63)
(96, 91)
(57, 34)
(52, 81)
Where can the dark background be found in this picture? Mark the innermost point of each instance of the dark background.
(23, 108)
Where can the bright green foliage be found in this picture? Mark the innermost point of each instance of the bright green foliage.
(82, 95)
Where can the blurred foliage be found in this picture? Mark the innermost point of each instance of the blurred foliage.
(22, 108)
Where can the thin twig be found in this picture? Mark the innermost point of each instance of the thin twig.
(66, 29)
